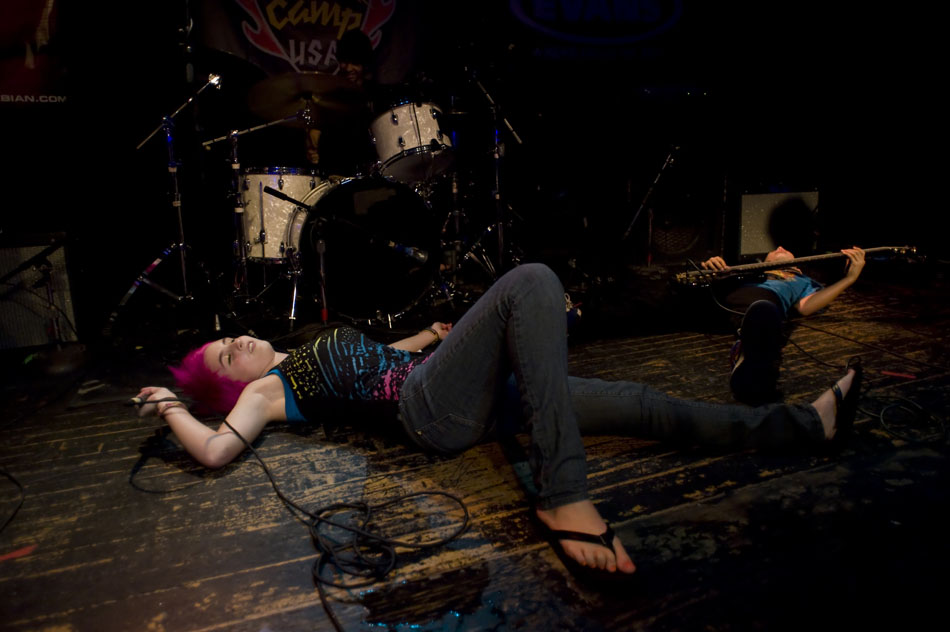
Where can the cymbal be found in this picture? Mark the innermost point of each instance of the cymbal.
(328, 97)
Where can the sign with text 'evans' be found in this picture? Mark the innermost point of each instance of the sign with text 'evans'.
(598, 22)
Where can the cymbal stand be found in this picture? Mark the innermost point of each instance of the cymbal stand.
(498, 152)
(174, 193)
(240, 245)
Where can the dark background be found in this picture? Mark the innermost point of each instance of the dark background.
(757, 97)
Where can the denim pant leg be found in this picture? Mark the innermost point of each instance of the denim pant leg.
(518, 326)
(628, 408)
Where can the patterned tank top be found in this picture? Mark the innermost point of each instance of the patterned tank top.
(342, 364)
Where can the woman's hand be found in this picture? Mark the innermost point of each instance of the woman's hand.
(424, 338)
(714, 263)
(151, 394)
(855, 262)
(442, 329)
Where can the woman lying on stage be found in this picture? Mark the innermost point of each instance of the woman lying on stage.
(448, 400)
(765, 307)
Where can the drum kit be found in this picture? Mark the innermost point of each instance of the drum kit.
(371, 246)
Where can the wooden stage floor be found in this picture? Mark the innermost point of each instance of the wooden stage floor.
(119, 530)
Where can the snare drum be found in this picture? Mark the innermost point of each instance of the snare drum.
(410, 143)
(271, 225)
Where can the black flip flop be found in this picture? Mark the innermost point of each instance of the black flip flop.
(586, 574)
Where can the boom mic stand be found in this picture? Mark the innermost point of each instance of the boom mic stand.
(497, 154)
(175, 196)
(666, 163)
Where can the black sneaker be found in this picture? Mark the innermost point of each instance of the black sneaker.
(758, 355)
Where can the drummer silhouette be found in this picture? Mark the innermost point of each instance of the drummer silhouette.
(342, 146)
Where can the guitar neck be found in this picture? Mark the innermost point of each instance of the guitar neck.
(748, 268)
(789, 263)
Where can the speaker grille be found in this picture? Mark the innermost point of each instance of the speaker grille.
(27, 318)
(760, 212)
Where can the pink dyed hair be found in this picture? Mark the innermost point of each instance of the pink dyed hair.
(211, 392)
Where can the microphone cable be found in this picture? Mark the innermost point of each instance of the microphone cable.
(366, 555)
(16, 509)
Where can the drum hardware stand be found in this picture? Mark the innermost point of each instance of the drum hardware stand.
(233, 136)
(242, 244)
(452, 249)
(175, 195)
(301, 115)
(324, 311)
(666, 163)
(294, 272)
(295, 269)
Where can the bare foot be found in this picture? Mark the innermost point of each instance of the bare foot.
(826, 405)
(582, 516)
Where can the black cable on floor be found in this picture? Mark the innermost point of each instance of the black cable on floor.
(874, 347)
(920, 418)
(365, 554)
(19, 504)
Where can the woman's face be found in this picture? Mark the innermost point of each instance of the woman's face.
(244, 359)
(779, 254)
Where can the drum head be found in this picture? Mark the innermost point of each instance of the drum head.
(366, 224)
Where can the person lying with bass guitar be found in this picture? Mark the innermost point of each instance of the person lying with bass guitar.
(766, 304)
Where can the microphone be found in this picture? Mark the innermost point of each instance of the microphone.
(409, 251)
(215, 80)
(280, 195)
(135, 401)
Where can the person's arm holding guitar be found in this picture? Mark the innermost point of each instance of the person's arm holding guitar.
(823, 297)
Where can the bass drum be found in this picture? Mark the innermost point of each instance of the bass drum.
(381, 248)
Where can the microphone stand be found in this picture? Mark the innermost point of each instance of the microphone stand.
(241, 243)
(174, 192)
(497, 154)
(666, 163)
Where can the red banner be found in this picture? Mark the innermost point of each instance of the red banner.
(31, 63)
(301, 35)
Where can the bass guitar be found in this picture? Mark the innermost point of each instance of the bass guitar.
(705, 278)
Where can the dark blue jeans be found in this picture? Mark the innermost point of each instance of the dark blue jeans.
(518, 328)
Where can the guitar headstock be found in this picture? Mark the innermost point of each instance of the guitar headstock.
(904, 251)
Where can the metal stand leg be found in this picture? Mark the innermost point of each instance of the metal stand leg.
(143, 279)
(174, 191)
(324, 310)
